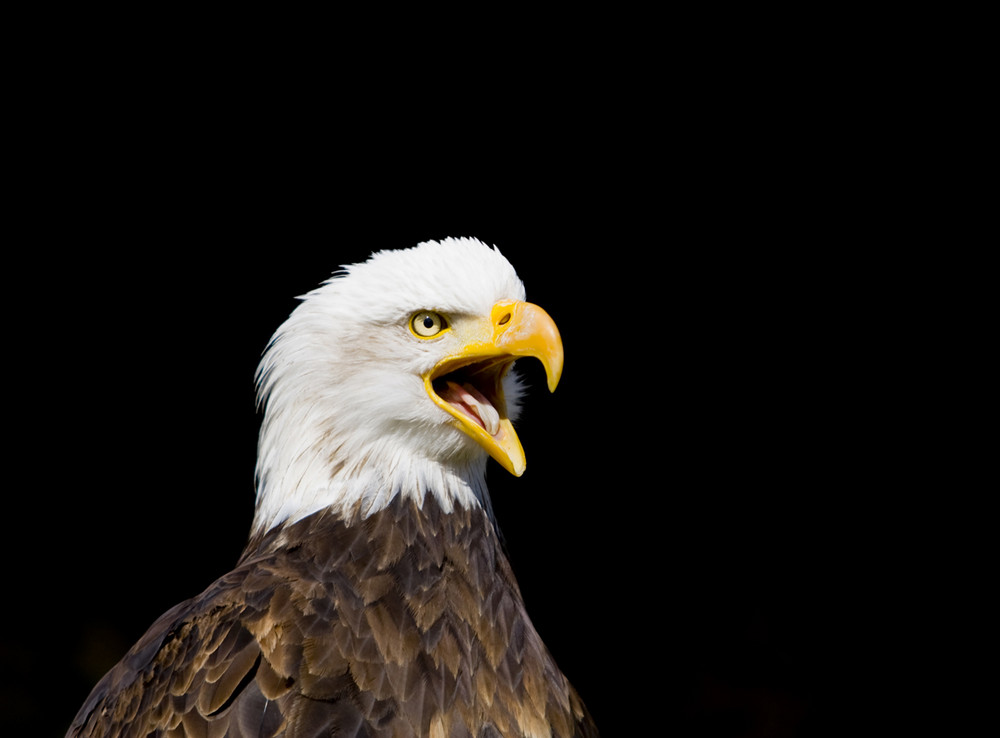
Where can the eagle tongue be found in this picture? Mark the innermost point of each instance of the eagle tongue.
(473, 403)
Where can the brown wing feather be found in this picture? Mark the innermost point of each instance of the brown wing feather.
(190, 674)
(409, 623)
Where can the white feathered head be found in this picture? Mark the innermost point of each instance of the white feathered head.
(393, 377)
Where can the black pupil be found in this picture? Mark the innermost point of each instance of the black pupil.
(428, 322)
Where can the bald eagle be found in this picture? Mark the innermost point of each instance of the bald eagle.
(374, 597)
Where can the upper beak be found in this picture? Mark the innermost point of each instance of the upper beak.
(515, 329)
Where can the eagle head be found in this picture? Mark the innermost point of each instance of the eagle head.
(395, 377)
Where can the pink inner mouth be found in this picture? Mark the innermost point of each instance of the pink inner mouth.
(472, 403)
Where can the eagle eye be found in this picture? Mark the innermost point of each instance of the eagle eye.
(427, 324)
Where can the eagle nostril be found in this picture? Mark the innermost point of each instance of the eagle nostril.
(504, 319)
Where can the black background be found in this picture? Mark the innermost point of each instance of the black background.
(687, 534)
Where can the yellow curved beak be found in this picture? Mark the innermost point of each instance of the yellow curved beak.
(467, 383)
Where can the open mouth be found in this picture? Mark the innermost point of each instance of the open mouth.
(468, 383)
(475, 391)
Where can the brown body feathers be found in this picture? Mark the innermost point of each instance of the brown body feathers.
(406, 623)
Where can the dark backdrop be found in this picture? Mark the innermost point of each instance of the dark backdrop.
(686, 530)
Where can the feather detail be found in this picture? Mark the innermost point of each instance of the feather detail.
(402, 644)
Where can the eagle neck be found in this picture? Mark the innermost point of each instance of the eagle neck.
(333, 532)
(354, 493)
